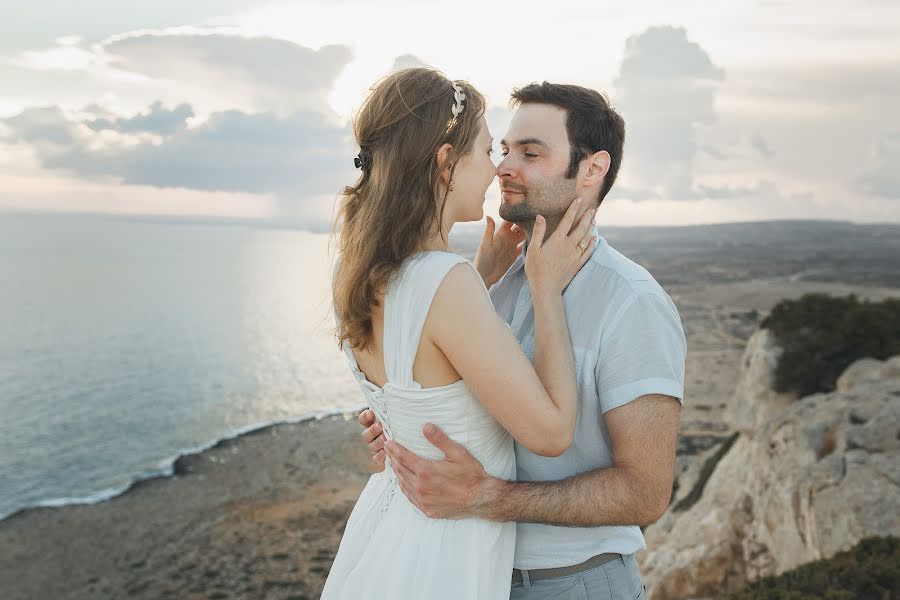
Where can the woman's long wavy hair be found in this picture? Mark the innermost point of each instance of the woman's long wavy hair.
(397, 203)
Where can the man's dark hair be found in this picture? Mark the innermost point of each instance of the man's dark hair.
(591, 123)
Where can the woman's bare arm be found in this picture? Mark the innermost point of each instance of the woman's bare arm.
(536, 404)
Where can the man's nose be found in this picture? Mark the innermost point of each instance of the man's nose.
(504, 168)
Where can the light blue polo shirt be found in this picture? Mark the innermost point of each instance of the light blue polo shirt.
(628, 341)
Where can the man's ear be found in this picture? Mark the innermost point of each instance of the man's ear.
(441, 158)
(597, 167)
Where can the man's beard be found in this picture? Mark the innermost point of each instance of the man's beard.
(550, 199)
(521, 213)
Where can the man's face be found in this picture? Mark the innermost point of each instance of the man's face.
(532, 172)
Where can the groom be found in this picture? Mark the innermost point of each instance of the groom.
(580, 514)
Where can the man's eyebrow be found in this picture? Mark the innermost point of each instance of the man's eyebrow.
(526, 142)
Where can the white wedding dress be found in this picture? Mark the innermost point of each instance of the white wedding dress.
(390, 549)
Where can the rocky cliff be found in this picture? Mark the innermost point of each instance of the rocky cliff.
(803, 480)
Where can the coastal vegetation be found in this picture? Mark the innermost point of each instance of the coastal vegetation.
(871, 569)
(822, 335)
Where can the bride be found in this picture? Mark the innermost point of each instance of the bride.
(425, 344)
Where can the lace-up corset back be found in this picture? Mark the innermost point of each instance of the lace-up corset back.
(403, 406)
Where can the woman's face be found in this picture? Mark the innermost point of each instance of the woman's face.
(473, 174)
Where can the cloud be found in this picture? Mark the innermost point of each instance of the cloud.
(666, 88)
(880, 176)
(301, 154)
(714, 151)
(815, 116)
(828, 85)
(759, 144)
(270, 73)
(665, 54)
(211, 68)
(157, 120)
(407, 61)
(693, 135)
(637, 194)
(43, 126)
(723, 192)
(239, 115)
(25, 24)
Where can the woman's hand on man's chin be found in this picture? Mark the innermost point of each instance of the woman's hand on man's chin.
(499, 248)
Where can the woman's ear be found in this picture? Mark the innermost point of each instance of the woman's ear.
(441, 158)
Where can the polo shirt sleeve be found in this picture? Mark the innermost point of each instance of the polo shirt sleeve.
(642, 352)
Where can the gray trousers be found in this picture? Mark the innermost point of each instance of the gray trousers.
(619, 579)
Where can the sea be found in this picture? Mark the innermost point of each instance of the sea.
(127, 342)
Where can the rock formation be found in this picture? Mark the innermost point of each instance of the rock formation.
(804, 480)
(755, 400)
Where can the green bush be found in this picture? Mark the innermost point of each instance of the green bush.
(869, 570)
(822, 335)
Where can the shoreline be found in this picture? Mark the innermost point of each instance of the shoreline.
(257, 515)
(168, 467)
(260, 514)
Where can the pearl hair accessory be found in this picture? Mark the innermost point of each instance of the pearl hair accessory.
(458, 105)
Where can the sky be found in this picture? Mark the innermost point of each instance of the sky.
(734, 111)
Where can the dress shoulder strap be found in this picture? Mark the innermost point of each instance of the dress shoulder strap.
(406, 306)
